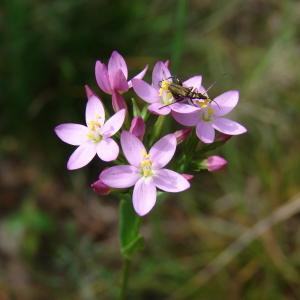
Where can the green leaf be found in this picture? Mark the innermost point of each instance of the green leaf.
(129, 225)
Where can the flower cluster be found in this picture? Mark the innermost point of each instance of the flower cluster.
(187, 103)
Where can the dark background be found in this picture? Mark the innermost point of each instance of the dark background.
(233, 235)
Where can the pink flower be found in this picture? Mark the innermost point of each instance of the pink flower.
(138, 127)
(93, 138)
(208, 116)
(112, 79)
(145, 171)
(158, 94)
(215, 163)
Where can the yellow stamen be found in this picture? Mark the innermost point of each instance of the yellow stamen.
(94, 127)
(203, 103)
(146, 165)
(164, 87)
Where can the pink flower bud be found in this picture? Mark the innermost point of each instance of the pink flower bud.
(88, 91)
(137, 127)
(188, 177)
(222, 137)
(100, 188)
(215, 163)
(182, 134)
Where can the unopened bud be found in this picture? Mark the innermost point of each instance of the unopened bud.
(188, 177)
(89, 92)
(222, 137)
(137, 127)
(100, 188)
(215, 163)
(182, 134)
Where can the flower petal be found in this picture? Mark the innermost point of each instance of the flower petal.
(118, 81)
(144, 196)
(228, 126)
(194, 82)
(133, 148)
(224, 103)
(145, 91)
(121, 177)
(184, 108)
(159, 109)
(190, 119)
(118, 102)
(163, 151)
(82, 156)
(114, 123)
(170, 181)
(94, 110)
(205, 132)
(116, 63)
(102, 77)
(73, 134)
(159, 73)
(138, 76)
(108, 149)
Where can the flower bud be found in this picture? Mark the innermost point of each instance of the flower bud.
(182, 134)
(222, 137)
(100, 188)
(215, 163)
(137, 127)
(188, 177)
(88, 91)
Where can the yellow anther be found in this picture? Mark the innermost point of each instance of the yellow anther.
(94, 136)
(147, 172)
(146, 165)
(210, 111)
(93, 125)
(203, 103)
(164, 87)
(207, 115)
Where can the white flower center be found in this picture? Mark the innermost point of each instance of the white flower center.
(94, 133)
(207, 112)
(146, 166)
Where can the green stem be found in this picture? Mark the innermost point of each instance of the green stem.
(178, 41)
(130, 239)
(125, 277)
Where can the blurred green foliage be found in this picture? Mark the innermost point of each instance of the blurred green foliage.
(58, 240)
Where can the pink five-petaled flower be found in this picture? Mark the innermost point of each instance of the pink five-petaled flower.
(158, 94)
(93, 138)
(207, 115)
(112, 79)
(146, 171)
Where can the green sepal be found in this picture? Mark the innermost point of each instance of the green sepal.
(135, 109)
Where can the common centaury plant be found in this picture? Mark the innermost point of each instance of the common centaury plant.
(139, 175)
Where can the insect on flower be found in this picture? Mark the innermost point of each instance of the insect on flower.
(183, 93)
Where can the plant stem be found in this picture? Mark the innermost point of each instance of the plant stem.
(178, 40)
(125, 276)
